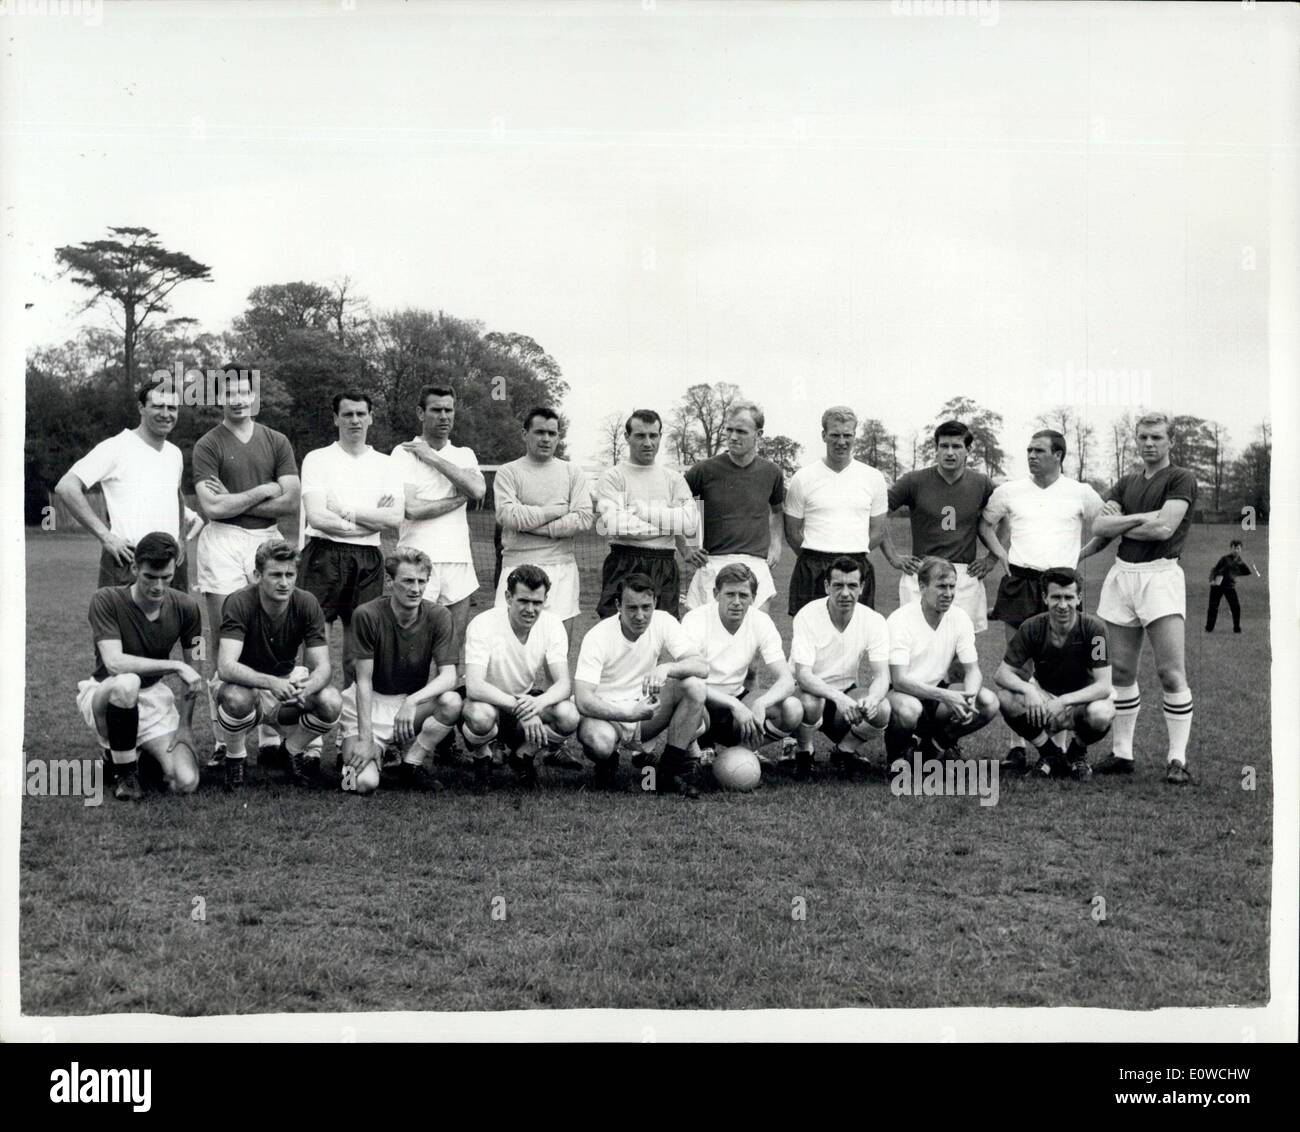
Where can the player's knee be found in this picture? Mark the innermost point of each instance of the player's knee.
(693, 689)
(564, 718)
(598, 743)
(125, 690)
(1172, 677)
(478, 718)
(907, 711)
(986, 703)
(447, 709)
(367, 781)
(884, 713)
(791, 713)
(811, 709)
(327, 704)
(1010, 704)
(184, 777)
(1100, 714)
(236, 700)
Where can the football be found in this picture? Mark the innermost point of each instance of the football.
(737, 768)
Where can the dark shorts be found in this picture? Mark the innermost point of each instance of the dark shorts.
(929, 711)
(808, 580)
(1020, 596)
(659, 564)
(722, 730)
(111, 574)
(341, 576)
(833, 727)
(509, 734)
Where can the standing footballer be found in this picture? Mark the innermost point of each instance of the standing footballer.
(1145, 593)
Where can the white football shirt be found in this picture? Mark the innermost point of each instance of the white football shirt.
(925, 654)
(356, 481)
(1047, 523)
(836, 507)
(513, 666)
(140, 484)
(444, 538)
(836, 656)
(617, 666)
(730, 654)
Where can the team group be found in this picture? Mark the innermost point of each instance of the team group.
(416, 667)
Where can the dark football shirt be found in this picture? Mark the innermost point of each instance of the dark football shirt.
(403, 657)
(271, 647)
(1136, 494)
(737, 503)
(1228, 568)
(945, 517)
(266, 457)
(1059, 669)
(115, 617)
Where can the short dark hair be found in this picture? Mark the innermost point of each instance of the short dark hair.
(157, 548)
(954, 428)
(1234, 542)
(543, 411)
(1061, 576)
(530, 576)
(642, 415)
(736, 572)
(636, 583)
(353, 395)
(845, 565)
(162, 385)
(1057, 441)
(274, 549)
(435, 391)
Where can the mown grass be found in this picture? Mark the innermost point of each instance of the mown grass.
(569, 898)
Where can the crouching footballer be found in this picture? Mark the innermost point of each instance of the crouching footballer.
(517, 684)
(1055, 682)
(258, 677)
(402, 698)
(125, 702)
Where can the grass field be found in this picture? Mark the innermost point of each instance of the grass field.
(569, 898)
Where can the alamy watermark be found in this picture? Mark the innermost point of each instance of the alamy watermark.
(64, 778)
(927, 778)
(1083, 386)
(209, 387)
(90, 11)
(986, 11)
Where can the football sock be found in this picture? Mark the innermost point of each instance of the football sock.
(1178, 721)
(431, 734)
(1128, 702)
(123, 726)
(233, 731)
(473, 740)
(307, 731)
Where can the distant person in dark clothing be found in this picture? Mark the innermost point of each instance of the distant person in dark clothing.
(1223, 584)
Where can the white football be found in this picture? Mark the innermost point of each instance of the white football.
(737, 768)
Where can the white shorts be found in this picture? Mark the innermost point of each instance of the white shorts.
(1137, 593)
(701, 589)
(383, 711)
(561, 599)
(628, 731)
(451, 582)
(226, 556)
(971, 595)
(158, 714)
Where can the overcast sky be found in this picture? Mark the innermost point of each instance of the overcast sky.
(843, 203)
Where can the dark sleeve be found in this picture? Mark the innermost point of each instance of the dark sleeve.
(1019, 654)
(900, 492)
(204, 460)
(234, 616)
(444, 637)
(191, 623)
(1183, 486)
(1097, 635)
(285, 464)
(777, 497)
(314, 632)
(364, 629)
(1240, 568)
(694, 480)
(1116, 492)
(103, 617)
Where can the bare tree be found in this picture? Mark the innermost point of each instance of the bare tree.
(613, 443)
(1216, 436)
(1122, 442)
(700, 415)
